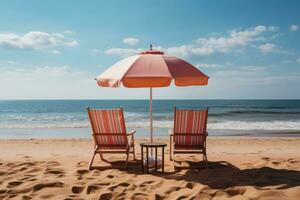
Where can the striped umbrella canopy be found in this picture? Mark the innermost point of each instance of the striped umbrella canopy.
(151, 69)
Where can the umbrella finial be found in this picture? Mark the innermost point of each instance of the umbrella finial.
(150, 47)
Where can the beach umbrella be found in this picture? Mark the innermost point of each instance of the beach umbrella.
(151, 69)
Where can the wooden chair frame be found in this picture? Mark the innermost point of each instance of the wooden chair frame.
(197, 150)
(98, 149)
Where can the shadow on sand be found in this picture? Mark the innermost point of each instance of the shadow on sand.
(220, 175)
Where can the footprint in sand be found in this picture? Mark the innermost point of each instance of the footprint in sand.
(77, 189)
(112, 188)
(47, 196)
(23, 168)
(110, 176)
(190, 185)
(25, 197)
(276, 162)
(55, 171)
(12, 196)
(26, 156)
(106, 196)
(291, 160)
(3, 191)
(265, 158)
(235, 191)
(2, 173)
(139, 195)
(82, 171)
(145, 183)
(40, 186)
(14, 184)
(53, 163)
(92, 189)
(34, 170)
(28, 164)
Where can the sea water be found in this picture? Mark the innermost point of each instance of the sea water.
(68, 118)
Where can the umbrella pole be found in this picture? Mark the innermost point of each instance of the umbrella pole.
(151, 118)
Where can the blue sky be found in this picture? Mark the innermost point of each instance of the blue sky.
(54, 49)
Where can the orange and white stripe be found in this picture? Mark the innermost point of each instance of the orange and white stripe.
(193, 124)
(108, 128)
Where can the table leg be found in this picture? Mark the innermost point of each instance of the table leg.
(142, 161)
(163, 159)
(147, 165)
(155, 158)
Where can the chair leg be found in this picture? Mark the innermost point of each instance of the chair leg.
(171, 156)
(204, 154)
(127, 158)
(205, 159)
(101, 157)
(91, 162)
(171, 149)
(133, 148)
(173, 159)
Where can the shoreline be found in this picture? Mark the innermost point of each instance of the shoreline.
(68, 133)
(231, 137)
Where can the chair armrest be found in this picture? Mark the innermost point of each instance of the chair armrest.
(131, 132)
(190, 134)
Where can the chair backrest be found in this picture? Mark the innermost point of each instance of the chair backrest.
(108, 127)
(189, 126)
(190, 121)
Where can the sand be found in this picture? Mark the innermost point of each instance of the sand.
(239, 168)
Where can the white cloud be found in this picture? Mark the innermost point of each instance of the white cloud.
(273, 28)
(8, 62)
(33, 73)
(122, 52)
(236, 41)
(286, 61)
(46, 82)
(208, 65)
(69, 32)
(184, 50)
(294, 27)
(268, 48)
(242, 72)
(57, 71)
(72, 43)
(65, 81)
(55, 52)
(131, 41)
(95, 50)
(35, 40)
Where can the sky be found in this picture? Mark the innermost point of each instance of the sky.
(54, 49)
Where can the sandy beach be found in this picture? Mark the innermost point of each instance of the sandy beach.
(239, 168)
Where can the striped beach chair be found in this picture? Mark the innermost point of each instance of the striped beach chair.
(109, 133)
(189, 133)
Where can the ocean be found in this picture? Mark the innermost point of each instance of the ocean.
(68, 118)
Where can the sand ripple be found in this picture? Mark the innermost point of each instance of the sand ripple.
(243, 175)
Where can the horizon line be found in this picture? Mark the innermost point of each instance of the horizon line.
(23, 99)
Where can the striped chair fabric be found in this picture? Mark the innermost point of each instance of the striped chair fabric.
(189, 128)
(108, 128)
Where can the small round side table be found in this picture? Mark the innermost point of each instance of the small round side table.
(152, 145)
